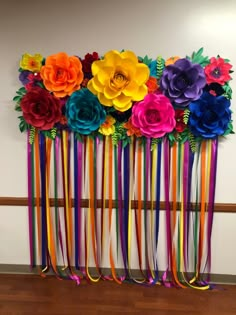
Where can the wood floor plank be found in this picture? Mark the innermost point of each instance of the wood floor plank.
(28, 295)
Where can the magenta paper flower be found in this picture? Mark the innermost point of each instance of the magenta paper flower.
(154, 116)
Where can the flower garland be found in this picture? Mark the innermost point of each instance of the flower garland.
(121, 95)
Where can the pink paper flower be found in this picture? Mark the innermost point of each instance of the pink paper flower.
(154, 116)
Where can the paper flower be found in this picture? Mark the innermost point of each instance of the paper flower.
(131, 130)
(171, 60)
(121, 116)
(119, 79)
(87, 64)
(214, 89)
(40, 108)
(34, 79)
(179, 117)
(209, 116)
(31, 62)
(84, 112)
(152, 85)
(218, 71)
(24, 76)
(62, 74)
(107, 128)
(183, 82)
(154, 116)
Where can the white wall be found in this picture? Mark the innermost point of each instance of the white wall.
(150, 27)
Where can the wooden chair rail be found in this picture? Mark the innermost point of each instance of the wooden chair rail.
(23, 201)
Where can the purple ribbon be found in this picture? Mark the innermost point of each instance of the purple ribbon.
(167, 206)
(30, 202)
(211, 199)
(185, 196)
(120, 207)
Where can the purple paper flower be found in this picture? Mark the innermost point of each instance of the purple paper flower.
(24, 76)
(183, 82)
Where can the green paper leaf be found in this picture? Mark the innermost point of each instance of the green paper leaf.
(154, 142)
(197, 57)
(53, 132)
(23, 126)
(17, 98)
(22, 91)
(78, 137)
(228, 91)
(18, 108)
(147, 60)
(192, 142)
(229, 130)
(186, 116)
(32, 134)
(160, 66)
(40, 84)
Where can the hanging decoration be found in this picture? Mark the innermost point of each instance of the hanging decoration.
(114, 143)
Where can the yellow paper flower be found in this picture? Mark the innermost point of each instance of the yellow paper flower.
(107, 128)
(171, 60)
(31, 62)
(119, 79)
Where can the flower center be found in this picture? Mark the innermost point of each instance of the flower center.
(37, 108)
(32, 63)
(119, 80)
(216, 73)
(183, 82)
(84, 115)
(59, 74)
(210, 116)
(153, 116)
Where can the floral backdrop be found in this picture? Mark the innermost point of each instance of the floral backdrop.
(112, 134)
(123, 95)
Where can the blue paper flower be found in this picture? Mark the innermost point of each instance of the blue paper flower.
(84, 112)
(209, 116)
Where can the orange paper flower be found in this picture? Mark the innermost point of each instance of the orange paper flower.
(107, 128)
(152, 85)
(62, 74)
(171, 60)
(131, 130)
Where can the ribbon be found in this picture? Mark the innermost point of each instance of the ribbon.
(44, 235)
(132, 172)
(30, 157)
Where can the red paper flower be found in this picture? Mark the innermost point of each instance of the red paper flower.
(217, 71)
(87, 62)
(179, 117)
(41, 109)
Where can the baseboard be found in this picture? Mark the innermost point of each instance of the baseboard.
(25, 269)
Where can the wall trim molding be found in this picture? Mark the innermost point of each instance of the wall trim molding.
(25, 269)
(23, 201)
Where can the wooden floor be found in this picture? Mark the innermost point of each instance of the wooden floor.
(29, 295)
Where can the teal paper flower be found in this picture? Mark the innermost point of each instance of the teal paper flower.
(84, 112)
